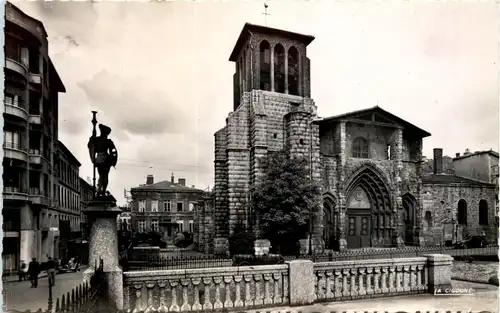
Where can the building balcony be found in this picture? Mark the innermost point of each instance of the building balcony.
(15, 193)
(35, 117)
(35, 79)
(15, 66)
(10, 229)
(15, 151)
(35, 156)
(39, 197)
(15, 110)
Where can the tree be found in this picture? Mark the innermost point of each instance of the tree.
(284, 200)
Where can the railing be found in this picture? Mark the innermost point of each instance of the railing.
(11, 189)
(18, 104)
(144, 262)
(206, 289)
(35, 151)
(346, 280)
(14, 145)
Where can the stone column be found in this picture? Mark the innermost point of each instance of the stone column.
(272, 67)
(27, 236)
(340, 185)
(103, 244)
(286, 71)
(397, 151)
(440, 266)
(301, 282)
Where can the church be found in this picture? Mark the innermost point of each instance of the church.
(368, 162)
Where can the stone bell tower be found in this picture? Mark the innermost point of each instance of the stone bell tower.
(272, 110)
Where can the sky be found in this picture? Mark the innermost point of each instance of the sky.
(158, 73)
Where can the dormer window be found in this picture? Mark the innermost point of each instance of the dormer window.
(360, 148)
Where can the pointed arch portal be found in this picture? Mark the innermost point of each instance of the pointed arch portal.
(368, 214)
(408, 218)
(330, 222)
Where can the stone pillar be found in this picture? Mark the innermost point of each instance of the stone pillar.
(286, 71)
(301, 281)
(28, 236)
(440, 266)
(397, 223)
(272, 67)
(103, 244)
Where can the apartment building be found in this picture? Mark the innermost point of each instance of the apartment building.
(166, 206)
(69, 204)
(86, 195)
(32, 85)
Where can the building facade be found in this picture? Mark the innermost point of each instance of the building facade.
(69, 204)
(86, 195)
(368, 162)
(166, 206)
(31, 219)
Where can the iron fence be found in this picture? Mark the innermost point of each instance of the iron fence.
(144, 262)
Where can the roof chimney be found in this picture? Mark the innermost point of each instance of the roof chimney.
(192, 186)
(457, 154)
(172, 180)
(182, 182)
(150, 180)
(438, 161)
(467, 152)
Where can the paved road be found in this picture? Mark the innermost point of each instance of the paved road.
(21, 297)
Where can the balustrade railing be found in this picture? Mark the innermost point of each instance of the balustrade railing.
(344, 280)
(206, 289)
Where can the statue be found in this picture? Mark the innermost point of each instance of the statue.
(103, 155)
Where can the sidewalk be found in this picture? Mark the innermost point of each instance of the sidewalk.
(15, 277)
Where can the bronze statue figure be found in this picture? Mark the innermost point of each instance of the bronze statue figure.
(103, 155)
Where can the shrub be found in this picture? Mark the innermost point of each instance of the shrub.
(493, 280)
(183, 240)
(242, 241)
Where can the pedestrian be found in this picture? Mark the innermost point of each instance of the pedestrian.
(22, 271)
(33, 271)
(51, 271)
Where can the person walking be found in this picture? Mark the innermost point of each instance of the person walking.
(33, 271)
(51, 271)
(22, 271)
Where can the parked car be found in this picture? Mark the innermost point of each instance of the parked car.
(477, 241)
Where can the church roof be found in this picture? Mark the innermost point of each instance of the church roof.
(252, 28)
(452, 179)
(165, 186)
(376, 109)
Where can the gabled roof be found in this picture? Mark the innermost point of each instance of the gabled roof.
(490, 152)
(165, 186)
(453, 179)
(383, 113)
(252, 28)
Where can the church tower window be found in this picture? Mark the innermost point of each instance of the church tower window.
(293, 71)
(279, 68)
(360, 148)
(265, 66)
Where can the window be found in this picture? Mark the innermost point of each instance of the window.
(179, 206)
(293, 71)
(155, 226)
(265, 66)
(360, 148)
(11, 99)
(141, 226)
(142, 205)
(462, 212)
(191, 206)
(483, 212)
(167, 206)
(279, 68)
(428, 218)
(154, 205)
(180, 226)
(191, 226)
(12, 139)
(388, 152)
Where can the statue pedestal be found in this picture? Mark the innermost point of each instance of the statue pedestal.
(103, 244)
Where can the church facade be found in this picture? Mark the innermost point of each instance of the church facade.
(368, 162)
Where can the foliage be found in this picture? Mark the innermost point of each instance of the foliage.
(150, 238)
(284, 200)
(183, 240)
(241, 241)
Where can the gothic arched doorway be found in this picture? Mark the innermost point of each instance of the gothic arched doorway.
(408, 218)
(330, 223)
(368, 211)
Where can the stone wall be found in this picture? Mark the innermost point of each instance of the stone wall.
(441, 200)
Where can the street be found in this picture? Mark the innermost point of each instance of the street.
(21, 297)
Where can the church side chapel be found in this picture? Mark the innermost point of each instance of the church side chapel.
(368, 162)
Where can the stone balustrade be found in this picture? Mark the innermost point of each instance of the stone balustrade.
(344, 280)
(206, 289)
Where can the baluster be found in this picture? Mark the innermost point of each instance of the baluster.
(426, 276)
(354, 291)
(228, 303)
(68, 302)
(369, 279)
(383, 279)
(58, 308)
(218, 286)
(345, 290)
(337, 283)
(196, 302)
(185, 303)
(319, 294)
(361, 278)
(376, 280)
(207, 305)
(392, 279)
(149, 287)
(399, 278)
(406, 278)
(174, 307)
(420, 286)
(73, 300)
(277, 294)
(138, 298)
(163, 298)
(267, 289)
(413, 285)
(237, 284)
(329, 293)
(258, 297)
(248, 298)
(63, 304)
(285, 287)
